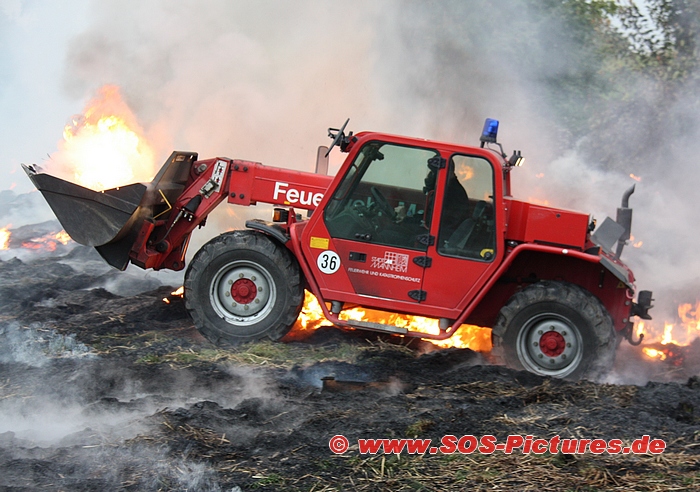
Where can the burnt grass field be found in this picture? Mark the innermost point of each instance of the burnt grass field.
(100, 391)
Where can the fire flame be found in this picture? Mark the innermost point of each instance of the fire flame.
(667, 336)
(5, 238)
(690, 316)
(635, 243)
(467, 336)
(311, 318)
(179, 292)
(464, 172)
(674, 335)
(47, 242)
(104, 147)
(654, 354)
(636, 178)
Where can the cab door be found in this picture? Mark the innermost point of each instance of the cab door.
(466, 250)
(378, 220)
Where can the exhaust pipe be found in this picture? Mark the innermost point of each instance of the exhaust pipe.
(624, 218)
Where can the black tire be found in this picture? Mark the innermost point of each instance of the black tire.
(242, 286)
(556, 329)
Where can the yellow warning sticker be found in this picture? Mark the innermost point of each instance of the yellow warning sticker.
(319, 242)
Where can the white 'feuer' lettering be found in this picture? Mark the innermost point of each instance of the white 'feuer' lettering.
(292, 195)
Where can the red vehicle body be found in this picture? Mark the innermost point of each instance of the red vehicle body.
(379, 241)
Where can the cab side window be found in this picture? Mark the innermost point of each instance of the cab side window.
(467, 227)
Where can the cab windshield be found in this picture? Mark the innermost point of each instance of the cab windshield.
(383, 197)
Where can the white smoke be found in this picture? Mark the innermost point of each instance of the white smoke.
(449, 65)
(251, 80)
(41, 413)
(263, 81)
(36, 345)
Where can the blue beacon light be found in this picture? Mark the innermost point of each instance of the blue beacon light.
(490, 131)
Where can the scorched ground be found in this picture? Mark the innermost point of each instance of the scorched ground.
(101, 392)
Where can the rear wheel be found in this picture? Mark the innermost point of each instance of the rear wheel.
(556, 329)
(242, 286)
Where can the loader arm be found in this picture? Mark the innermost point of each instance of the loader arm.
(150, 225)
(163, 244)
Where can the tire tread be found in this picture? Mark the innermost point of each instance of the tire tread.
(253, 241)
(572, 296)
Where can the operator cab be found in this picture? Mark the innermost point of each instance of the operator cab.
(388, 197)
(404, 216)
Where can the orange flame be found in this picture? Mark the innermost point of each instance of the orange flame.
(464, 172)
(689, 316)
(5, 238)
(62, 237)
(668, 335)
(311, 318)
(679, 334)
(639, 329)
(179, 292)
(104, 147)
(654, 354)
(636, 178)
(47, 242)
(467, 336)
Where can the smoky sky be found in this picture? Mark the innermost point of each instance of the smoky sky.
(263, 80)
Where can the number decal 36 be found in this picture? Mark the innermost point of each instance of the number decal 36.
(328, 262)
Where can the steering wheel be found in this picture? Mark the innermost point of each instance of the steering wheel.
(338, 137)
(383, 203)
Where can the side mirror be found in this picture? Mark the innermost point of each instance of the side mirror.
(322, 160)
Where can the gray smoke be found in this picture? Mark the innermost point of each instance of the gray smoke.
(21, 209)
(263, 81)
(35, 345)
(450, 64)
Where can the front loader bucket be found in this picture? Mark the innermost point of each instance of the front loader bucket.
(110, 220)
(91, 218)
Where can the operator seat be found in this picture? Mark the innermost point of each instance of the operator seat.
(459, 240)
(455, 207)
(456, 204)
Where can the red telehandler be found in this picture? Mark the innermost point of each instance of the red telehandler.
(407, 225)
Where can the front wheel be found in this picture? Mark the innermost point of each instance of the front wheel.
(242, 286)
(556, 329)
